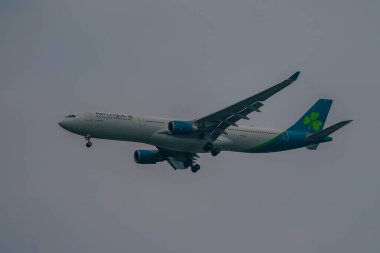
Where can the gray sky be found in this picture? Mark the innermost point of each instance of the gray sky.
(186, 59)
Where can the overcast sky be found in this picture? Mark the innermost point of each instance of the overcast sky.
(185, 59)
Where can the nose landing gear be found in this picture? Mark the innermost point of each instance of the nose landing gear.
(89, 143)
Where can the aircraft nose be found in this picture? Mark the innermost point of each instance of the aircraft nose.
(63, 124)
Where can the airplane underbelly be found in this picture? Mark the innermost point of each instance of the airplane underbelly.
(241, 142)
(185, 144)
(177, 143)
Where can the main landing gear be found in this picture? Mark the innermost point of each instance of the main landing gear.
(194, 167)
(89, 143)
(210, 147)
(215, 151)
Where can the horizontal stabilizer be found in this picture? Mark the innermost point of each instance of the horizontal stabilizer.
(326, 132)
(312, 147)
(294, 77)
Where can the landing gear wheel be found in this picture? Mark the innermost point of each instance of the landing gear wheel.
(195, 168)
(187, 163)
(207, 147)
(88, 138)
(215, 151)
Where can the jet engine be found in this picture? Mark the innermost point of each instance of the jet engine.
(147, 156)
(181, 128)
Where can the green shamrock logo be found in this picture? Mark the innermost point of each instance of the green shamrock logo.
(313, 121)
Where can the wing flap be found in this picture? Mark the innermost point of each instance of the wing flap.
(177, 165)
(177, 158)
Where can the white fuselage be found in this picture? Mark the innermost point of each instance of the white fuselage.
(154, 131)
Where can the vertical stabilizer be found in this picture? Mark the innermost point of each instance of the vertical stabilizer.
(314, 119)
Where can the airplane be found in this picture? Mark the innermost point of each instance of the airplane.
(179, 141)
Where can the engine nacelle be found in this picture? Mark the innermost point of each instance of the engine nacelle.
(181, 128)
(147, 156)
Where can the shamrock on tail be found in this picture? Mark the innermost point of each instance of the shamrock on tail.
(313, 122)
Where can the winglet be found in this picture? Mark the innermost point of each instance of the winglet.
(294, 76)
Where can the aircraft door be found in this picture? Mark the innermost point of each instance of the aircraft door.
(88, 116)
(143, 123)
(285, 136)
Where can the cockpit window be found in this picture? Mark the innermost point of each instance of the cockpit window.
(70, 116)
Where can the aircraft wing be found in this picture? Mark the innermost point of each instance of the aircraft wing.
(216, 123)
(177, 158)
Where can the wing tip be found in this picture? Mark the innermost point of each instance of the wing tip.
(294, 77)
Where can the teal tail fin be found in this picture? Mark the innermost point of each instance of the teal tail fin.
(314, 119)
